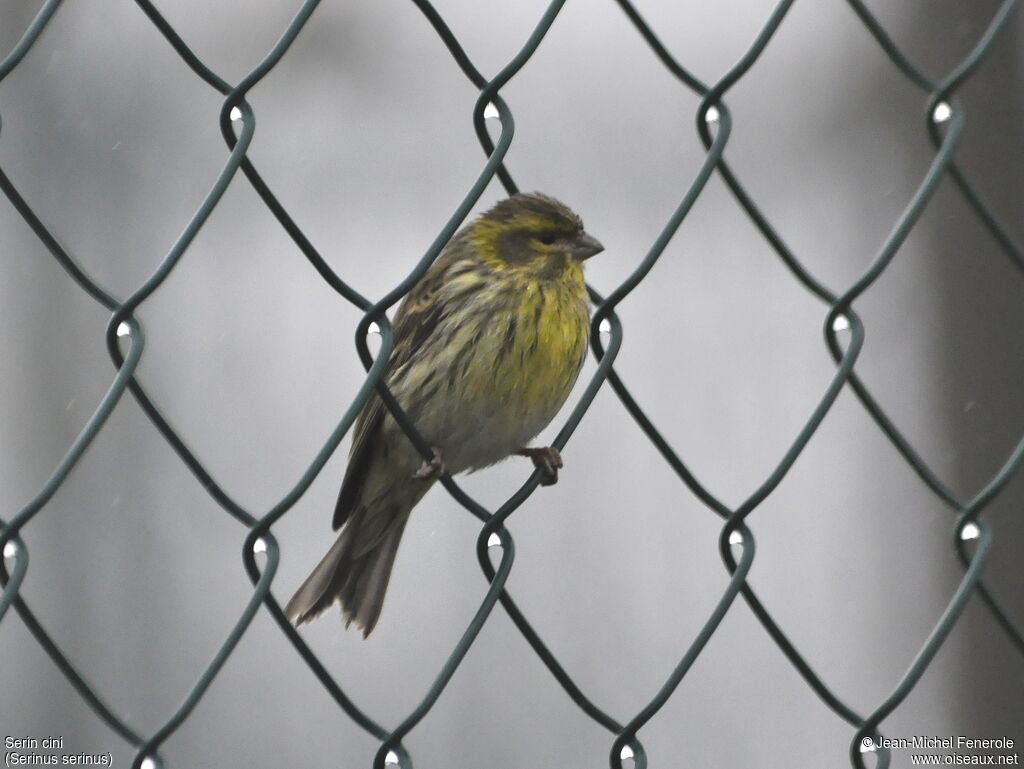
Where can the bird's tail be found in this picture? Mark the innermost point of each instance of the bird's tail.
(355, 572)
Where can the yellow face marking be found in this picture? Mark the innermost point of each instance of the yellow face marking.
(487, 237)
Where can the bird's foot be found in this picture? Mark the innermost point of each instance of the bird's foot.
(434, 468)
(547, 459)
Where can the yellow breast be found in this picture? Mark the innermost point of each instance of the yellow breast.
(509, 359)
(537, 345)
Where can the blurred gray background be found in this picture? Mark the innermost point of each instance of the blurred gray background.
(364, 131)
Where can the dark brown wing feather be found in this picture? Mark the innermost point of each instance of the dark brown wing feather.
(417, 318)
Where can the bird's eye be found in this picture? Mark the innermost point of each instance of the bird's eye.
(547, 238)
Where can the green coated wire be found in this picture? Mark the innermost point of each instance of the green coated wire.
(902, 445)
(258, 526)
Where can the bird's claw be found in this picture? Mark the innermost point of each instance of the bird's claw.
(547, 459)
(434, 468)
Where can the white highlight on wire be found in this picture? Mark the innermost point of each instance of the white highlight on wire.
(970, 531)
(10, 550)
(841, 323)
(942, 112)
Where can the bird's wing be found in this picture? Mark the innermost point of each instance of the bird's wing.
(416, 320)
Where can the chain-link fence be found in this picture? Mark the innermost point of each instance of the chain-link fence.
(844, 335)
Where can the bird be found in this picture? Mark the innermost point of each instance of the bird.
(488, 344)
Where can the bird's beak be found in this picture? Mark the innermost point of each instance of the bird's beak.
(586, 246)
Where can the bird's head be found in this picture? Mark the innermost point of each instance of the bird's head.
(533, 234)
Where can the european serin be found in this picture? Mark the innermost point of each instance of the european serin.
(487, 347)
